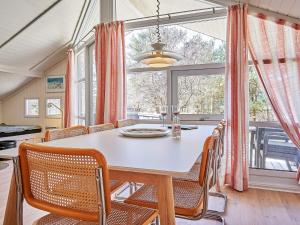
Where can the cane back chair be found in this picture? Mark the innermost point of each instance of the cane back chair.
(73, 186)
(190, 198)
(125, 123)
(114, 184)
(65, 133)
(71, 132)
(100, 127)
(193, 174)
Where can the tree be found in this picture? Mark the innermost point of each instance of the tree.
(196, 94)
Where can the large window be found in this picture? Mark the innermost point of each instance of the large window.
(85, 86)
(199, 93)
(195, 83)
(270, 147)
(80, 88)
(146, 93)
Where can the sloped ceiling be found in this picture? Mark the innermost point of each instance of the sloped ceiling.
(21, 54)
(283, 7)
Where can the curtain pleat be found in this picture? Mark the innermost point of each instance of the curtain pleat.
(110, 68)
(236, 99)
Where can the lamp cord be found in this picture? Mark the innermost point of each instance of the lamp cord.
(157, 22)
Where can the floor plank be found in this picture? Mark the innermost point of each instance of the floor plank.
(254, 207)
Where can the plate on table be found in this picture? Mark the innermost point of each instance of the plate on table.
(144, 132)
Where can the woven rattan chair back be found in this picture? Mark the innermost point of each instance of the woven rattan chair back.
(64, 133)
(209, 145)
(125, 123)
(100, 127)
(63, 181)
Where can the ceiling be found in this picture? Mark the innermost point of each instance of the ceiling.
(34, 34)
(284, 7)
(26, 39)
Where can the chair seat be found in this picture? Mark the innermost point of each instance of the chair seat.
(120, 214)
(187, 197)
(115, 184)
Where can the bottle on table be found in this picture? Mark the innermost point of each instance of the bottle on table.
(176, 127)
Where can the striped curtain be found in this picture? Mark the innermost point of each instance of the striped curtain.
(236, 99)
(275, 51)
(110, 67)
(68, 95)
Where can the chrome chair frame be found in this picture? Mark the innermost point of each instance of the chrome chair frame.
(207, 214)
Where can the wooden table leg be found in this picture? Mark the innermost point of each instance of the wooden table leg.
(166, 201)
(164, 189)
(10, 216)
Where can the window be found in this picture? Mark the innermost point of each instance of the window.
(186, 82)
(146, 92)
(53, 107)
(80, 84)
(32, 107)
(199, 93)
(93, 84)
(270, 147)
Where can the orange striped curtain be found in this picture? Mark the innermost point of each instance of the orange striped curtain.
(110, 67)
(236, 99)
(275, 49)
(68, 81)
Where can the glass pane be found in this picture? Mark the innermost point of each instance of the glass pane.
(94, 87)
(53, 106)
(81, 99)
(270, 147)
(32, 107)
(146, 92)
(201, 94)
(196, 43)
(130, 9)
(81, 66)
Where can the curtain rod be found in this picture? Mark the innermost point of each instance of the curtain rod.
(149, 17)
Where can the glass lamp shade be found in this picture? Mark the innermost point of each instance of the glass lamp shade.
(158, 57)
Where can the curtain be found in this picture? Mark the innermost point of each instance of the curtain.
(68, 82)
(110, 67)
(236, 99)
(275, 51)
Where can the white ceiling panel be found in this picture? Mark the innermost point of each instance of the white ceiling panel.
(285, 7)
(10, 82)
(15, 14)
(43, 37)
(131, 9)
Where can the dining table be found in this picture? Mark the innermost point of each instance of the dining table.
(131, 159)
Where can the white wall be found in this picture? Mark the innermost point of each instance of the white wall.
(13, 107)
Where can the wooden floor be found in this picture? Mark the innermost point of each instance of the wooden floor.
(254, 207)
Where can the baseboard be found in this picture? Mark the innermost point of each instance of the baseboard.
(274, 180)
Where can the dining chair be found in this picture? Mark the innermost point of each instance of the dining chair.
(65, 132)
(100, 127)
(114, 184)
(72, 185)
(190, 198)
(193, 174)
(126, 122)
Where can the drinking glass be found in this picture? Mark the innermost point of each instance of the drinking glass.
(163, 112)
(175, 110)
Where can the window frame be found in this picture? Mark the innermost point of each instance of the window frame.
(59, 116)
(25, 108)
(171, 99)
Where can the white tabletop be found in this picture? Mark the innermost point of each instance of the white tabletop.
(155, 155)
